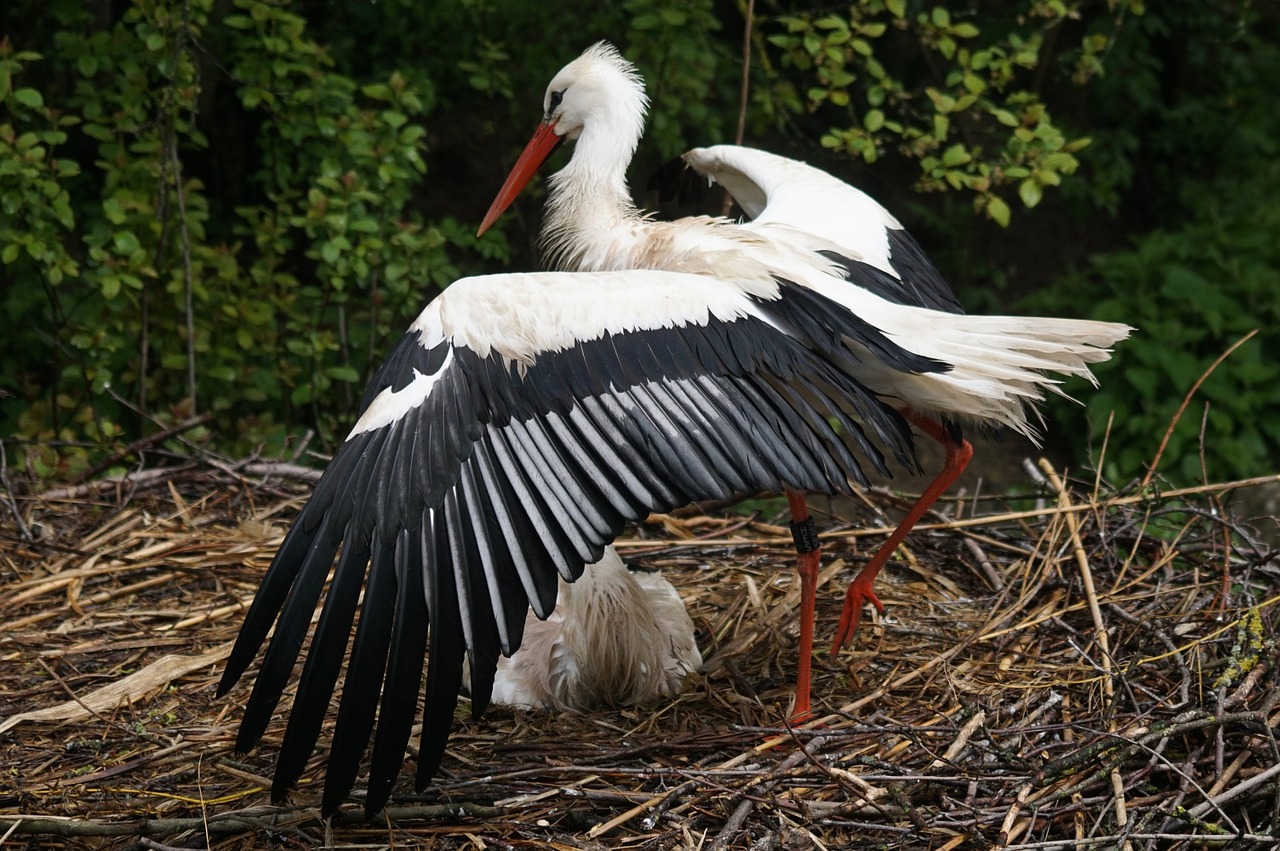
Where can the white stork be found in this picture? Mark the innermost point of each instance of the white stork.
(812, 230)
(515, 430)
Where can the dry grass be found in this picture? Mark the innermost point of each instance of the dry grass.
(1095, 672)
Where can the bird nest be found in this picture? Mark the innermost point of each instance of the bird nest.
(1074, 668)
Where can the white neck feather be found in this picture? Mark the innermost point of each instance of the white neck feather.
(589, 206)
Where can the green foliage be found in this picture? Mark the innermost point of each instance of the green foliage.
(147, 291)
(217, 207)
(970, 113)
(228, 208)
(1191, 292)
(672, 43)
(36, 206)
(1201, 282)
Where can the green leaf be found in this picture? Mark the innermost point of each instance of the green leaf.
(111, 209)
(1030, 192)
(998, 210)
(29, 97)
(1005, 117)
(125, 242)
(343, 373)
(956, 155)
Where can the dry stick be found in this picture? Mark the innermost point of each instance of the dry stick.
(1100, 630)
(655, 801)
(1201, 810)
(1202, 840)
(8, 494)
(139, 478)
(746, 72)
(188, 277)
(266, 818)
(161, 475)
(740, 813)
(1007, 831)
(962, 739)
(1173, 423)
(145, 443)
(988, 569)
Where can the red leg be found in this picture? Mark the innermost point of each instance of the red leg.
(808, 554)
(860, 590)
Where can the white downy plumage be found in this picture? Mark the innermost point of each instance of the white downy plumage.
(617, 637)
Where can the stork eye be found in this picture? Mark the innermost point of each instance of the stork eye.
(556, 97)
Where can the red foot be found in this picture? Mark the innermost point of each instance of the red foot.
(958, 455)
(860, 591)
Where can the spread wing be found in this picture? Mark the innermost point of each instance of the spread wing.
(516, 429)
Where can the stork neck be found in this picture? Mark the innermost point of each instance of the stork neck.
(589, 206)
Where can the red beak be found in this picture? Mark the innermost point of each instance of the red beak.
(544, 141)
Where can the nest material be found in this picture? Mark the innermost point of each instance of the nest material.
(1087, 672)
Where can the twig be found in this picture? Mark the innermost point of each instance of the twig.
(1173, 423)
(23, 530)
(988, 569)
(746, 72)
(1100, 632)
(244, 821)
(734, 823)
(145, 443)
(1199, 811)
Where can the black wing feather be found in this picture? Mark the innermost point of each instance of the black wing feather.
(324, 660)
(365, 672)
(404, 668)
(444, 674)
(917, 284)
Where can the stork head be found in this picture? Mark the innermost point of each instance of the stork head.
(597, 101)
(598, 90)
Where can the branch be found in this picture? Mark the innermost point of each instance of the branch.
(244, 821)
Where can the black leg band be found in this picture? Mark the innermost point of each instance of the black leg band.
(805, 534)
